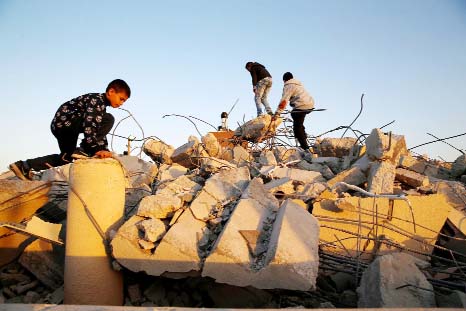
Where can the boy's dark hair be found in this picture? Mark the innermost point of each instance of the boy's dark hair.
(119, 86)
(287, 76)
(248, 64)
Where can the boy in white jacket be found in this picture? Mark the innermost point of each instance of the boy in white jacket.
(302, 103)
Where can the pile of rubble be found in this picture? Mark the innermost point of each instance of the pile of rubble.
(216, 223)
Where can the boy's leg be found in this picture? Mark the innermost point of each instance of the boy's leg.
(257, 99)
(299, 129)
(264, 99)
(105, 126)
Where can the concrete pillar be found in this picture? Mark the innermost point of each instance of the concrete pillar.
(89, 278)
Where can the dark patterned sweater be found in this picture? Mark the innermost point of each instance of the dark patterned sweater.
(85, 114)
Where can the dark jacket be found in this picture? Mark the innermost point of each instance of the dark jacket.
(258, 72)
(84, 113)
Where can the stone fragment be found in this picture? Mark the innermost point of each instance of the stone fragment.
(182, 187)
(214, 165)
(223, 187)
(147, 245)
(297, 174)
(410, 178)
(267, 158)
(187, 154)
(413, 164)
(240, 156)
(381, 146)
(454, 192)
(284, 185)
(153, 229)
(353, 176)
(381, 178)
(258, 129)
(170, 172)
(158, 151)
(316, 167)
(311, 191)
(162, 205)
(284, 155)
(336, 147)
(332, 162)
(459, 166)
(137, 171)
(211, 145)
(395, 223)
(386, 284)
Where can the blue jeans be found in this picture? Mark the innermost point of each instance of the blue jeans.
(262, 90)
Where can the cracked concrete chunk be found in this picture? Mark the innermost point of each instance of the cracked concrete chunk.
(137, 171)
(459, 166)
(223, 187)
(162, 205)
(154, 229)
(158, 151)
(386, 284)
(381, 146)
(256, 130)
(353, 176)
(410, 178)
(186, 155)
(336, 147)
(290, 261)
(211, 145)
(297, 174)
(381, 178)
(170, 172)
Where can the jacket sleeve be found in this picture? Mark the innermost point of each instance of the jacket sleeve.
(254, 76)
(286, 95)
(93, 116)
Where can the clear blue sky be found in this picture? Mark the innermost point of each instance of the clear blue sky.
(188, 57)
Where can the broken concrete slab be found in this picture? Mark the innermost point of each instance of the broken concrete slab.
(296, 174)
(188, 154)
(316, 167)
(258, 129)
(393, 224)
(19, 201)
(353, 176)
(381, 177)
(154, 229)
(388, 283)
(240, 156)
(162, 205)
(290, 262)
(158, 151)
(381, 146)
(284, 155)
(177, 251)
(214, 165)
(411, 178)
(336, 147)
(137, 171)
(170, 172)
(310, 191)
(45, 264)
(221, 188)
(281, 185)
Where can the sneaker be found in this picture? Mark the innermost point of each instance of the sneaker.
(270, 113)
(79, 154)
(19, 168)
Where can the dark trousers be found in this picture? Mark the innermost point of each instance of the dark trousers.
(67, 138)
(299, 130)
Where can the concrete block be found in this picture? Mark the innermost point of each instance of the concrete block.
(353, 176)
(284, 185)
(311, 191)
(182, 187)
(258, 129)
(297, 175)
(170, 172)
(223, 187)
(211, 145)
(381, 178)
(154, 229)
(158, 151)
(241, 157)
(411, 163)
(162, 205)
(290, 261)
(383, 284)
(284, 155)
(381, 146)
(316, 167)
(410, 178)
(341, 225)
(214, 165)
(187, 154)
(332, 162)
(336, 147)
(453, 191)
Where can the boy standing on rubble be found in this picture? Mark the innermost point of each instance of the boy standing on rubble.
(262, 83)
(84, 114)
(302, 103)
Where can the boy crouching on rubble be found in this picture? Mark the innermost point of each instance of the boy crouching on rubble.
(84, 114)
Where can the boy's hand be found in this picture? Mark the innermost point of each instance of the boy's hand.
(103, 154)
